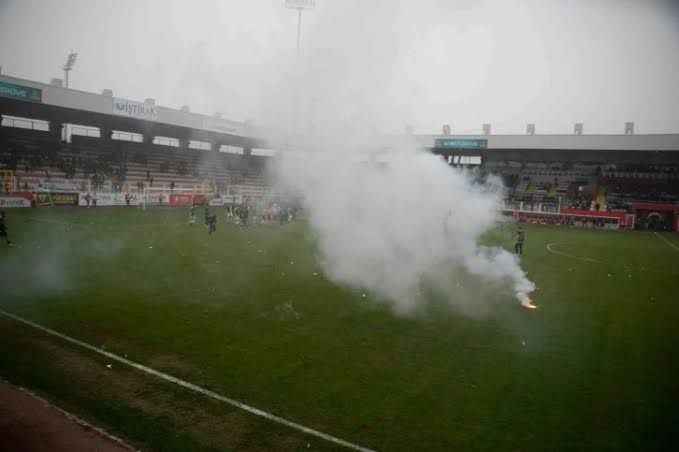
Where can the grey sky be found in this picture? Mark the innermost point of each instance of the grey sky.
(430, 61)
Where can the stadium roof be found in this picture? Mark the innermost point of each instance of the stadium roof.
(55, 103)
(649, 142)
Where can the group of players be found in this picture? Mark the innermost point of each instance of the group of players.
(239, 214)
(210, 219)
(242, 215)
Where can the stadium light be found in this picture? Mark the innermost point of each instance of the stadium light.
(70, 62)
(300, 5)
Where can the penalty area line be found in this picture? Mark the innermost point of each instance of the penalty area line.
(664, 239)
(550, 248)
(191, 386)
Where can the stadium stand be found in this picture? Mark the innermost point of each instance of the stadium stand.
(92, 164)
(59, 141)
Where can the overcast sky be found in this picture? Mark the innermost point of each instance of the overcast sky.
(427, 62)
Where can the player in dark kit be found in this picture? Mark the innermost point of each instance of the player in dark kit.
(244, 213)
(3, 229)
(212, 224)
(520, 238)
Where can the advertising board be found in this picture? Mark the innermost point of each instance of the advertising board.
(13, 202)
(132, 109)
(57, 199)
(20, 92)
(107, 199)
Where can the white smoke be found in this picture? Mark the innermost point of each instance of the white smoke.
(389, 226)
(390, 218)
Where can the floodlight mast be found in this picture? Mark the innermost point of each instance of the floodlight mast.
(70, 62)
(300, 6)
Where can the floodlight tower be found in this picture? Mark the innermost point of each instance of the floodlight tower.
(70, 62)
(300, 6)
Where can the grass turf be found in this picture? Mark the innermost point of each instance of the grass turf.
(248, 313)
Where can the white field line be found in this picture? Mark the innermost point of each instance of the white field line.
(664, 239)
(191, 386)
(550, 248)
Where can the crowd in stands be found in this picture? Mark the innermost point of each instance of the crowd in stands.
(547, 187)
(88, 165)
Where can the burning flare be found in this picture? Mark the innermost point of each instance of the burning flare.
(525, 300)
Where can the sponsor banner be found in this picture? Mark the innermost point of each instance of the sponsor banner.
(217, 202)
(141, 110)
(107, 199)
(181, 200)
(53, 184)
(593, 214)
(460, 143)
(20, 92)
(228, 200)
(13, 202)
(57, 199)
(625, 220)
(300, 4)
(659, 207)
(187, 200)
(22, 194)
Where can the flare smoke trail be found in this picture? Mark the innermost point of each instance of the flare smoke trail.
(389, 218)
(388, 227)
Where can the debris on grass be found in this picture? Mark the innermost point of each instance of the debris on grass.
(287, 311)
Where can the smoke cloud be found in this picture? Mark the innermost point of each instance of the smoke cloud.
(398, 224)
(391, 219)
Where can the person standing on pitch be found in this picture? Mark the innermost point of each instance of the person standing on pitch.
(3, 229)
(520, 238)
(212, 224)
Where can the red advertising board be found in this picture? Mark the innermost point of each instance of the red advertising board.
(625, 220)
(186, 200)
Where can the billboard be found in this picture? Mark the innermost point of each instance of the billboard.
(132, 109)
(107, 199)
(11, 202)
(300, 4)
(186, 200)
(460, 143)
(20, 92)
(57, 199)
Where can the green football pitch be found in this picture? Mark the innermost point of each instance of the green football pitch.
(249, 314)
